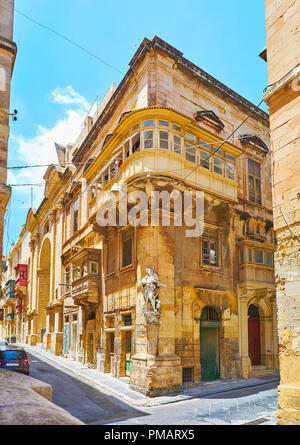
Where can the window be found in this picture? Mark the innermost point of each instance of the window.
(204, 159)
(111, 255)
(94, 267)
(177, 144)
(258, 229)
(112, 343)
(250, 255)
(269, 259)
(75, 216)
(259, 257)
(126, 150)
(105, 178)
(229, 157)
(230, 171)
(164, 139)
(148, 123)
(242, 256)
(84, 270)
(190, 137)
(203, 144)
(190, 153)
(135, 127)
(127, 247)
(187, 375)
(148, 139)
(135, 144)
(67, 280)
(127, 320)
(176, 128)
(254, 181)
(209, 247)
(217, 165)
(163, 123)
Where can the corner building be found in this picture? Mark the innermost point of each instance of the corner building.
(160, 130)
(283, 98)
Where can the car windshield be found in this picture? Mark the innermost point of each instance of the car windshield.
(13, 355)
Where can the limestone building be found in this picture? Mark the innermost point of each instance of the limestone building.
(165, 128)
(14, 292)
(283, 97)
(8, 51)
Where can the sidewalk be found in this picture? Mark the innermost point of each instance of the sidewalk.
(120, 389)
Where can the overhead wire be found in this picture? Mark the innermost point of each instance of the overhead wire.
(48, 28)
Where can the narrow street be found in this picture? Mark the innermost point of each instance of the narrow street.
(92, 406)
(80, 400)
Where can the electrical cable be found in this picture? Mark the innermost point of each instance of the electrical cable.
(65, 38)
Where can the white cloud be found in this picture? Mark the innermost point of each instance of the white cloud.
(40, 149)
(67, 96)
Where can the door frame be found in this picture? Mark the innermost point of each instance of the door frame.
(212, 325)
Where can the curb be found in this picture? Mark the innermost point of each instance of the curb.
(151, 402)
(93, 383)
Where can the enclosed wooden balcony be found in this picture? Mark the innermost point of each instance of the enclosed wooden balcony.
(21, 282)
(85, 290)
(82, 276)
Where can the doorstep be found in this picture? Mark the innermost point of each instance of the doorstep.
(120, 387)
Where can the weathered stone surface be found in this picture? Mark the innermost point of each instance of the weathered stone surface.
(283, 98)
(8, 378)
(23, 402)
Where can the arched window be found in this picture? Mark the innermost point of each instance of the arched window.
(209, 313)
(253, 312)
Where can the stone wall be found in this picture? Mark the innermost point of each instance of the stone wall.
(283, 98)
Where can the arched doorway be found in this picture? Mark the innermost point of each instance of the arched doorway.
(254, 334)
(210, 324)
(44, 288)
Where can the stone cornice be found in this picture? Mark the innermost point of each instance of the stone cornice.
(278, 87)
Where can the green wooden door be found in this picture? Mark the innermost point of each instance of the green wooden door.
(127, 352)
(209, 353)
(66, 339)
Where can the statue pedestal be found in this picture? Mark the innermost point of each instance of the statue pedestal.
(153, 374)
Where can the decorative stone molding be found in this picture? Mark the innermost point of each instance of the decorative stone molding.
(210, 118)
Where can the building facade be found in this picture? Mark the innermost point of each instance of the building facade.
(165, 129)
(14, 292)
(283, 99)
(8, 51)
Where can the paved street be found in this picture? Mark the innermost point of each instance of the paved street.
(93, 406)
(81, 400)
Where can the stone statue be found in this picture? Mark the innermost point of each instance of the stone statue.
(150, 289)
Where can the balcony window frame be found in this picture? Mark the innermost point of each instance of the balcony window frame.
(124, 233)
(148, 139)
(256, 252)
(188, 146)
(75, 208)
(253, 181)
(212, 237)
(162, 141)
(204, 160)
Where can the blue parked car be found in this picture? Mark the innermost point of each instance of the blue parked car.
(14, 358)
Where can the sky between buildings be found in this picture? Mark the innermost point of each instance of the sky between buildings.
(54, 83)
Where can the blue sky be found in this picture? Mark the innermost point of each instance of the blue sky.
(54, 82)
